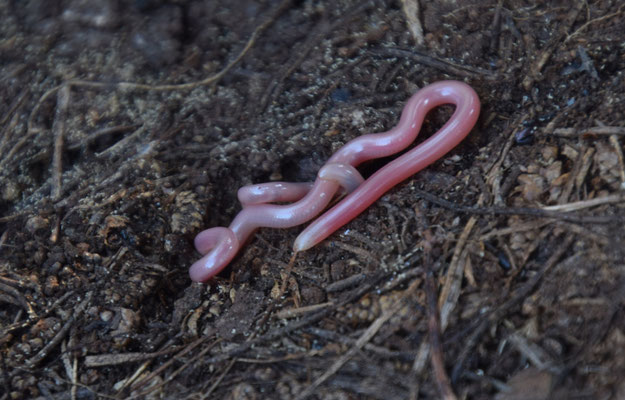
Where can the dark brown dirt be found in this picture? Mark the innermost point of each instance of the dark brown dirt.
(104, 185)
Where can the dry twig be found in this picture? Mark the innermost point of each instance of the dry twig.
(43, 353)
(619, 153)
(164, 87)
(579, 205)
(437, 63)
(62, 107)
(17, 298)
(411, 11)
(595, 130)
(494, 174)
(536, 68)
(594, 21)
(299, 311)
(533, 212)
(434, 334)
(453, 279)
(516, 297)
(362, 340)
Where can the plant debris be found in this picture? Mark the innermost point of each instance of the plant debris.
(127, 127)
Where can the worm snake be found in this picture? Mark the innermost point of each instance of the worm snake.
(220, 245)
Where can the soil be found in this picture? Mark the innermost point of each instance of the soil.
(127, 127)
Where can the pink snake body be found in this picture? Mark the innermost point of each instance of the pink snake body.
(220, 245)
